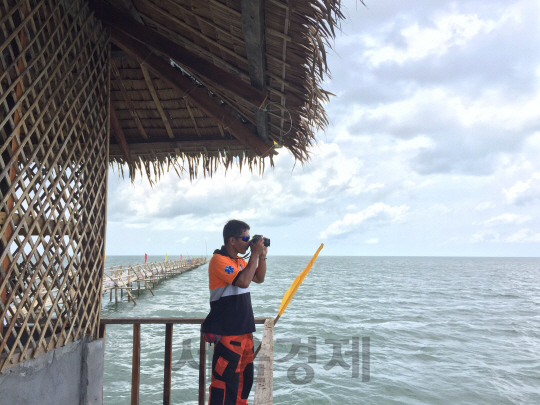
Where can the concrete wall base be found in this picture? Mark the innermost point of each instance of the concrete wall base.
(69, 375)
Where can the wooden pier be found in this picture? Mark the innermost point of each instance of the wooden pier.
(134, 277)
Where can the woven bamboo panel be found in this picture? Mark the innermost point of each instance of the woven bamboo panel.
(54, 97)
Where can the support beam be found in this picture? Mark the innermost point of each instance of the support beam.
(189, 89)
(155, 97)
(192, 116)
(157, 103)
(254, 38)
(200, 67)
(118, 134)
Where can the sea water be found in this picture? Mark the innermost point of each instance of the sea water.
(369, 330)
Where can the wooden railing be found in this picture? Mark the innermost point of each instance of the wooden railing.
(264, 379)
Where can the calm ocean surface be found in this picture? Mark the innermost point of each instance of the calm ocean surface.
(441, 331)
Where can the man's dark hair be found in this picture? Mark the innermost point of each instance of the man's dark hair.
(233, 229)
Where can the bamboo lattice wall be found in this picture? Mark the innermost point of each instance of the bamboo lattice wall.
(54, 109)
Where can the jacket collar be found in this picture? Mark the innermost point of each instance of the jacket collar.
(223, 252)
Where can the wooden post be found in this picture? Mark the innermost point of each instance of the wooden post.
(116, 295)
(265, 374)
(168, 364)
(253, 26)
(136, 364)
(138, 288)
(101, 335)
(102, 329)
(202, 372)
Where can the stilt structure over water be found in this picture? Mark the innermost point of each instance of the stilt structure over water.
(133, 277)
(150, 85)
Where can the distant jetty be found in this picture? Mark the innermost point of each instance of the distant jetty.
(132, 277)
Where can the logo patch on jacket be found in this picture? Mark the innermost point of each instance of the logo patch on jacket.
(229, 269)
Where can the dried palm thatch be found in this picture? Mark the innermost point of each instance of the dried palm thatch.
(164, 128)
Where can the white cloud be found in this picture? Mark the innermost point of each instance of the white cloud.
(372, 241)
(280, 196)
(485, 236)
(523, 235)
(447, 31)
(507, 219)
(486, 205)
(376, 214)
(524, 191)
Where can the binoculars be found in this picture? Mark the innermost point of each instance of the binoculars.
(256, 238)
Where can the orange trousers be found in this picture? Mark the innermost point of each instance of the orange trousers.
(232, 370)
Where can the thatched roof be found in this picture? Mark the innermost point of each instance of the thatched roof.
(215, 81)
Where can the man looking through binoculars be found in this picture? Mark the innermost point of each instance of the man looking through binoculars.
(230, 323)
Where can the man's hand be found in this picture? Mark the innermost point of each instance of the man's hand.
(247, 275)
(261, 268)
(258, 248)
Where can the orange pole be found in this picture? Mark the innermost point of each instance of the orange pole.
(14, 148)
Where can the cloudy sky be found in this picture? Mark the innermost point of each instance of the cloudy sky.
(432, 150)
